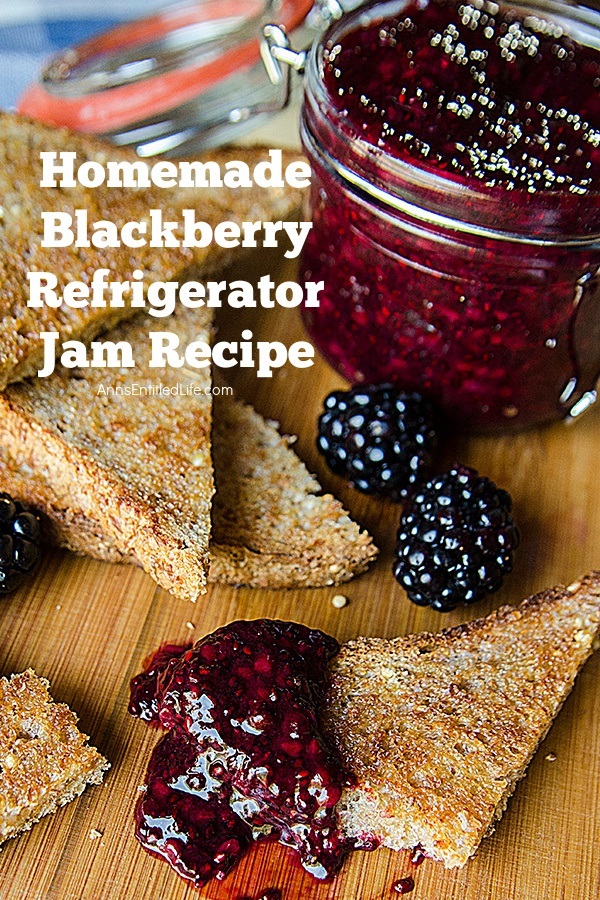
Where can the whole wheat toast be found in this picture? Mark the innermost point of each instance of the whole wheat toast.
(23, 201)
(140, 467)
(45, 761)
(271, 526)
(438, 728)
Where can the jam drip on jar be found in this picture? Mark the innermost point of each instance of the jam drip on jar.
(243, 759)
(473, 90)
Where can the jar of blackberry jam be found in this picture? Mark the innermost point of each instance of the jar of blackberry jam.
(456, 204)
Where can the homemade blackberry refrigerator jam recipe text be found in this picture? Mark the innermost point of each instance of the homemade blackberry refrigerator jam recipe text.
(456, 204)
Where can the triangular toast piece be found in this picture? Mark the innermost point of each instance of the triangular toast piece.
(140, 466)
(272, 527)
(438, 728)
(23, 201)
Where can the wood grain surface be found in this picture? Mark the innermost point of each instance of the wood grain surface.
(87, 626)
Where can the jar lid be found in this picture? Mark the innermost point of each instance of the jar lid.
(189, 75)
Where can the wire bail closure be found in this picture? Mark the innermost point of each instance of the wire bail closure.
(276, 50)
(279, 60)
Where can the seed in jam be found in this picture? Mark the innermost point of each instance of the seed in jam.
(243, 759)
(475, 90)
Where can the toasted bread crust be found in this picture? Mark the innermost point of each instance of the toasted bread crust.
(142, 470)
(23, 201)
(439, 728)
(45, 761)
(270, 529)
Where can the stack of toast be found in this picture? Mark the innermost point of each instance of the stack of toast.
(132, 478)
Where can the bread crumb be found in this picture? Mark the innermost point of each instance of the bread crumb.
(339, 601)
(190, 625)
(551, 757)
(95, 834)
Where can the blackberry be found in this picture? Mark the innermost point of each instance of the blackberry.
(379, 438)
(19, 543)
(455, 541)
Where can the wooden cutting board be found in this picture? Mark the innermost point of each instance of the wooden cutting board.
(87, 627)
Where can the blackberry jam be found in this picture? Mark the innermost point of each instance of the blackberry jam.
(456, 204)
(243, 758)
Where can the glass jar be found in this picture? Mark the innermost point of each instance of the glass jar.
(487, 300)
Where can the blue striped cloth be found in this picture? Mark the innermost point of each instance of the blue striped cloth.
(31, 31)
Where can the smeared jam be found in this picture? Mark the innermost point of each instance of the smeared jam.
(243, 759)
(456, 207)
(144, 687)
(474, 90)
(404, 885)
(418, 856)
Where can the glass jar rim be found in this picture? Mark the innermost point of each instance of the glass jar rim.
(410, 183)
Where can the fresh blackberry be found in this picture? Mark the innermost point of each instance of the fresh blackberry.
(379, 438)
(19, 543)
(455, 541)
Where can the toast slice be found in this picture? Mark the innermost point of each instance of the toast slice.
(139, 466)
(271, 526)
(23, 201)
(45, 761)
(438, 728)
